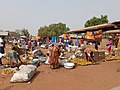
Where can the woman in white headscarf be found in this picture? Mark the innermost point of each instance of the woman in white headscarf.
(2, 45)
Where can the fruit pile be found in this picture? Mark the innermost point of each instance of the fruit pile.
(8, 71)
(27, 59)
(80, 61)
(113, 58)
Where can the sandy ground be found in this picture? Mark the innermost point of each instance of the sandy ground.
(95, 77)
(104, 76)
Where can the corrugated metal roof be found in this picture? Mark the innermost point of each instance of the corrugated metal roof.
(3, 33)
(72, 36)
(111, 31)
(79, 30)
(93, 28)
(116, 22)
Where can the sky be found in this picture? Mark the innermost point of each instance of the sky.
(33, 14)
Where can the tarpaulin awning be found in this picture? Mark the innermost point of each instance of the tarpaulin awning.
(36, 38)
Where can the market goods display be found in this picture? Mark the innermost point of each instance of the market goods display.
(98, 36)
(89, 37)
(8, 71)
(98, 32)
(66, 36)
(113, 58)
(81, 61)
(26, 59)
(94, 35)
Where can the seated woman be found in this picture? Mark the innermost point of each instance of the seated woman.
(14, 57)
(48, 58)
(79, 53)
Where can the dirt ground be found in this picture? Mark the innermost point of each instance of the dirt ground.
(103, 76)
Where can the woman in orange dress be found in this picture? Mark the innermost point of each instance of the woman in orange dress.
(54, 56)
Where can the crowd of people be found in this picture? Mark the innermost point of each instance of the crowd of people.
(56, 49)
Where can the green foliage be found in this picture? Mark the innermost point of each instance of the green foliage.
(96, 21)
(53, 30)
(24, 32)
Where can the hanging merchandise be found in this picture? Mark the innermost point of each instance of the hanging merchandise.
(94, 35)
(66, 36)
(98, 32)
(53, 38)
(89, 33)
(89, 36)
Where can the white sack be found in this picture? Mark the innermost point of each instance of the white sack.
(25, 73)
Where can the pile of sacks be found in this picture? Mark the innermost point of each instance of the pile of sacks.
(25, 73)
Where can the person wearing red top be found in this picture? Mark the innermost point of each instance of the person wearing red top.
(82, 40)
(89, 55)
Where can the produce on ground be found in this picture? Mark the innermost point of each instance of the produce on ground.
(8, 71)
(113, 58)
(80, 61)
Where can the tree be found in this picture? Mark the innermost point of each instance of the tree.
(53, 30)
(25, 32)
(96, 21)
(18, 31)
